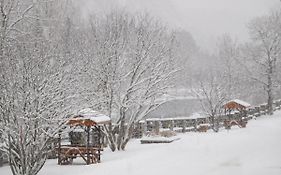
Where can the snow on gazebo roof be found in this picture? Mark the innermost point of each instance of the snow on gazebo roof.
(237, 101)
(89, 117)
(243, 103)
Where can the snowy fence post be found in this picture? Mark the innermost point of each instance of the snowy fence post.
(194, 123)
(184, 126)
(157, 127)
(250, 113)
(144, 129)
(257, 111)
(277, 105)
(274, 105)
(139, 129)
(263, 109)
(171, 125)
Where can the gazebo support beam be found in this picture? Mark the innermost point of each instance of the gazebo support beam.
(59, 149)
(88, 145)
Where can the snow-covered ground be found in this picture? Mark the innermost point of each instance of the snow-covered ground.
(252, 150)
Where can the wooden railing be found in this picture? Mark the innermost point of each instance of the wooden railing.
(187, 124)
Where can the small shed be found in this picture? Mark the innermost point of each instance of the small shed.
(85, 121)
(236, 104)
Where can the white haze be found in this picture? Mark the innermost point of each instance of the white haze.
(204, 19)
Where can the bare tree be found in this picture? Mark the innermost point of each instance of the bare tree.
(212, 95)
(34, 95)
(11, 14)
(228, 52)
(264, 53)
(130, 69)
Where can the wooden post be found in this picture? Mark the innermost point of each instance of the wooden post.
(157, 127)
(257, 111)
(194, 121)
(144, 130)
(171, 125)
(99, 143)
(59, 149)
(139, 129)
(184, 126)
(263, 109)
(88, 145)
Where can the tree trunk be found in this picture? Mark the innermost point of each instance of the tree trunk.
(270, 102)
(214, 124)
(120, 136)
(129, 135)
(269, 89)
(122, 129)
(110, 137)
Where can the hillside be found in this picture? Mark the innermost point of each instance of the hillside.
(253, 150)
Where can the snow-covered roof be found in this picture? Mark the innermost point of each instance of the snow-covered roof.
(240, 102)
(89, 114)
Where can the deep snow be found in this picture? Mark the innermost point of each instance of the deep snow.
(252, 150)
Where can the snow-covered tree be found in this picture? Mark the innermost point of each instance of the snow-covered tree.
(212, 94)
(34, 96)
(11, 13)
(129, 66)
(228, 52)
(262, 55)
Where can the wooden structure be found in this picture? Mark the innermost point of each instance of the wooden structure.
(239, 113)
(203, 127)
(157, 140)
(236, 105)
(236, 108)
(88, 149)
(240, 123)
(177, 124)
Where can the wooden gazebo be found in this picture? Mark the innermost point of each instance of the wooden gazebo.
(89, 122)
(236, 104)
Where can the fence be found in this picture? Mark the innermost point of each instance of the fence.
(187, 124)
(184, 124)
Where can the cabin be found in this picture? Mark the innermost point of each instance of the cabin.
(85, 138)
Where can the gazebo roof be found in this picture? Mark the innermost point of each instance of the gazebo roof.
(236, 104)
(89, 117)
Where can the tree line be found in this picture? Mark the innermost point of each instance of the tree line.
(54, 62)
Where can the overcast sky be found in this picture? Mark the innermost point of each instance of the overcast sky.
(204, 19)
